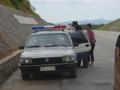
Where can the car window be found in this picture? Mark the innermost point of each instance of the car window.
(49, 40)
(78, 37)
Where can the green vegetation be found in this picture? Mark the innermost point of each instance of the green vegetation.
(22, 5)
(6, 3)
(94, 26)
(113, 26)
(97, 26)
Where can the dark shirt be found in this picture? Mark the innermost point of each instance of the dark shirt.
(118, 42)
(78, 28)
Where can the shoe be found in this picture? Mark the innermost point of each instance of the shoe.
(91, 64)
(88, 64)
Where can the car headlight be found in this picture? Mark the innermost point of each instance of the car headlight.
(68, 58)
(26, 61)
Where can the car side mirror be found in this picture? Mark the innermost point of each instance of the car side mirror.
(21, 47)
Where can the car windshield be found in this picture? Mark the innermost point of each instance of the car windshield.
(48, 40)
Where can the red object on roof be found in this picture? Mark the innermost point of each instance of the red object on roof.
(60, 27)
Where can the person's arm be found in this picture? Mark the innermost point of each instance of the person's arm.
(117, 53)
(92, 35)
(117, 49)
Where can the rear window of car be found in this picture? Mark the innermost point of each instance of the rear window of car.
(78, 37)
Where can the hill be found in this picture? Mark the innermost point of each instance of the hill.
(22, 5)
(113, 26)
(94, 21)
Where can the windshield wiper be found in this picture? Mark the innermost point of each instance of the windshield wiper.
(33, 46)
(37, 46)
(64, 45)
(55, 46)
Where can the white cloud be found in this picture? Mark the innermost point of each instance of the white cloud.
(49, 1)
(60, 10)
(87, 1)
(74, 1)
(54, 1)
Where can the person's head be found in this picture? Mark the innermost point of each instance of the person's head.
(89, 26)
(75, 23)
(76, 26)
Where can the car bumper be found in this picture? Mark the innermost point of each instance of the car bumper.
(58, 67)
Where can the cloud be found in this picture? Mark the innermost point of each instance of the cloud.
(117, 1)
(49, 1)
(87, 1)
(62, 1)
(75, 1)
(58, 1)
(59, 10)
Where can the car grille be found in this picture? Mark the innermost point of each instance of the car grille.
(39, 61)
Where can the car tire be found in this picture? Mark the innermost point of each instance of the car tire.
(73, 73)
(25, 76)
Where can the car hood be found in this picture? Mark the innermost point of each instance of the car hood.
(47, 52)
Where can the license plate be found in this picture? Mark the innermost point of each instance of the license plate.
(49, 68)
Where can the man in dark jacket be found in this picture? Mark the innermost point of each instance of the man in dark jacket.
(76, 35)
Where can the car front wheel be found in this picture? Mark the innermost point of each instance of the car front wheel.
(73, 73)
(25, 76)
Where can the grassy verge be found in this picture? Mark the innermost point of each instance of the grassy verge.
(22, 5)
(113, 26)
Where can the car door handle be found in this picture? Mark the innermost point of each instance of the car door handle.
(87, 45)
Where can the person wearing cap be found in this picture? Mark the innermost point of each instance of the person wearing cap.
(80, 58)
(92, 40)
(76, 26)
(117, 65)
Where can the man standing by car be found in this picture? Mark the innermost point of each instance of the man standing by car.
(91, 38)
(77, 28)
(117, 65)
(79, 40)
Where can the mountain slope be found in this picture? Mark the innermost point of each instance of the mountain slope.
(114, 26)
(94, 21)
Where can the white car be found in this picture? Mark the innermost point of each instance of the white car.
(48, 51)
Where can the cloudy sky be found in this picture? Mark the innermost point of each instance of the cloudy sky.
(67, 10)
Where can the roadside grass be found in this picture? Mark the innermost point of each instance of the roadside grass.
(112, 26)
(7, 3)
(22, 5)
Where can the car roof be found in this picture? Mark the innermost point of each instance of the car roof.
(76, 32)
(49, 32)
